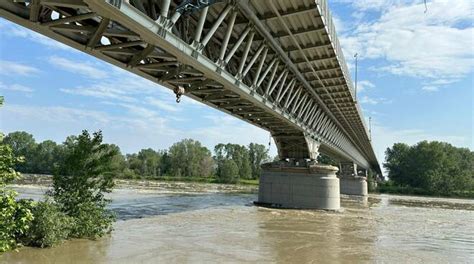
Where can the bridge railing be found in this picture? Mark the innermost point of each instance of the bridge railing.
(328, 22)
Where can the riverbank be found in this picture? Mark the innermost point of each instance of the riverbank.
(387, 188)
(194, 187)
(166, 185)
(192, 184)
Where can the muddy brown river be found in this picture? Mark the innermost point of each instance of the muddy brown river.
(156, 226)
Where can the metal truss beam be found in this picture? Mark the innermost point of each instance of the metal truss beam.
(263, 78)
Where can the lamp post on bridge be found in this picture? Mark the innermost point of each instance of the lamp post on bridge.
(370, 128)
(355, 92)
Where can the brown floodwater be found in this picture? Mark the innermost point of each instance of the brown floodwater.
(173, 227)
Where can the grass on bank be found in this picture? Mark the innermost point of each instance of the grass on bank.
(253, 182)
(390, 188)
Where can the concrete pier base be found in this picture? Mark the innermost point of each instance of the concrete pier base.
(296, 185)
(354, 185)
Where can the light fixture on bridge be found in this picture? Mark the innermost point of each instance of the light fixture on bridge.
(355, 91)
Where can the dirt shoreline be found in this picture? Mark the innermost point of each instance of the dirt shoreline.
(197, 187)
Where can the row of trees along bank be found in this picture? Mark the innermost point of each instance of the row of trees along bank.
(185, 160)
(429, 168)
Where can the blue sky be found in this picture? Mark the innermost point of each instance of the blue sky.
(415, 81)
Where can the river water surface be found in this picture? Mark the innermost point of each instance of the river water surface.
(170, 227)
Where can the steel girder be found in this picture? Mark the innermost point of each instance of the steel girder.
(157, 50)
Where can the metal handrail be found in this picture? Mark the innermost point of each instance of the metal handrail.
(326, 17)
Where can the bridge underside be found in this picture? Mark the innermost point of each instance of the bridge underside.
(274, 64)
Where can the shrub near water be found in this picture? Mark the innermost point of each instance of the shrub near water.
(81, 181)
(92, 220)
(77, 205)
(15, 217)
(49, 227)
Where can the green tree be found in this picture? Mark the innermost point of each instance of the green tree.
(435, 167)
(46, 157)
(165, 164)
(23, 145)
(149, 162)
(134, 164)
(395, 162)
(258, 154)
(118, 164)
(206, 165)
(229, 172)
(80, 183)
(237, 153)
(189, 158)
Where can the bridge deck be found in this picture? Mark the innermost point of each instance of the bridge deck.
(275, 64)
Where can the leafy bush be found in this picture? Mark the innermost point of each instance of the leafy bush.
(396, 189)
(14, 220)
(91, 220)
(81, 181)
(49, 227)
(15, 217)
(7, 221)
(23, 216)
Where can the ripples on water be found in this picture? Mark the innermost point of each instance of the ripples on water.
(216, 227)
(149, 204)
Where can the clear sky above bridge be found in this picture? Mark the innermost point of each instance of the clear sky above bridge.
(415, 81)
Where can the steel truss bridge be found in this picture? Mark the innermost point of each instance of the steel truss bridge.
(276, 64)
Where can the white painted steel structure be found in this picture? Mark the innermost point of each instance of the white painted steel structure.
(276, 64)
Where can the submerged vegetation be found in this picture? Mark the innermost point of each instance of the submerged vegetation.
(15, 216)
(80, 182)
(74, 208)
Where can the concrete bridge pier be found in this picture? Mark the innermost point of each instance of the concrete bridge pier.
(299, 182)
(352, 182)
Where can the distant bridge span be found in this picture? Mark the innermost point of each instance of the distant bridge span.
(275, 64)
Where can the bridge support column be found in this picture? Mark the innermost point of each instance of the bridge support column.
(293, 184)
(351, 182)
(298, 181)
